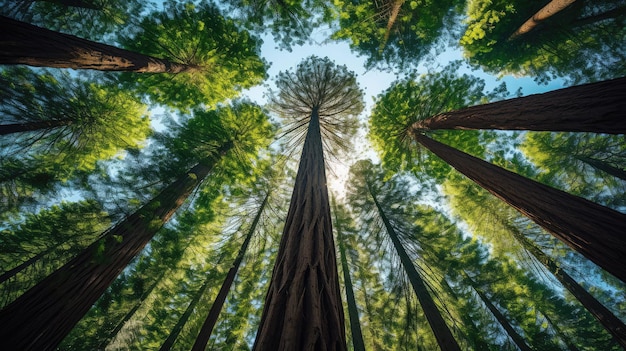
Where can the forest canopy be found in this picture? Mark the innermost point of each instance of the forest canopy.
(312, 175)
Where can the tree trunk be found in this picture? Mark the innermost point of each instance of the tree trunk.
(45, 314)
(207, 328)
(595, 231)
(551, 9)
(355, 324)
(513, 334)
(169, 342)
(603, 166)
(120, 324)
(566, 340)
(393, 16)
(610, 14)
(596, 107)
(6, 129)
(609, 321)
(444, 336)
(23, 43)
(303, 305)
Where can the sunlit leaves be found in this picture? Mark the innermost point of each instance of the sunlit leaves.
(223, 59)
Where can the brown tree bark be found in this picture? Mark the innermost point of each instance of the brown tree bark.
(595, 231)
(353, 313)
(23, 43)
(442, 333)
(207, 327)
(511, 332)
(6, 129)
(596, 107)
(551, 9)
(611, 323)
(45, 314)
(603, 166)
(303, 308)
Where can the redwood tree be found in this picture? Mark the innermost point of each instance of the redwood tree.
(303, 305)
(595, 231)
(24, 43)
(44, 315)
(596, 107)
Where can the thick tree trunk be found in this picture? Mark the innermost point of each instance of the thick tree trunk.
(207, 327)
(551, 9)
(355, 324)
(603, 166)
(513, 334)
(23, 43)
(596, 107)
(444, 336)
(169, 342)
(6, 129)
(611, 323)
(595, 231)
(303, 305)
(45, 314)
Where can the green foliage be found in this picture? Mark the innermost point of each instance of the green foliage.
(97, 20)
(290, 22)
(416, 98)
(400, 41)
(223, 59)
(576, 43)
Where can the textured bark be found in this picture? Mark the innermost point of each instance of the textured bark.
(609, 321)
(45, 314)
(169, 342)
(595, 231)
(355, 325)
(6, 129)
(23, 43)
(207, 327)
(303, 305)
(596, 107)
(551, 9)
(444, 336)
(603, 166)
(513, 334)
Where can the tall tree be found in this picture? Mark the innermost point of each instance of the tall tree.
(551, 8)
(208, 325)
(395, 33)
(54, 306)
(587, 227)
(365, 179)
(303, 305)
(343, 223)
(595, 107)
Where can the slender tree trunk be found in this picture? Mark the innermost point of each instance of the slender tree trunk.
(551, 9)
(169, 342)
(355, 324)
(23, 43)
(595, 231)
(596, 107)
(609, 321)
(207, 328)
(603, 166)
(6, 129)
(566, 340)
(393, 16)
(120, 324)
(303, 305)
(513, 334)
(444, 336)
(611, 14)
(45, 314)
